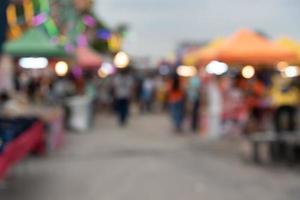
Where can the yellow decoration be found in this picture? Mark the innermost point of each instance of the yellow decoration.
(28, 11)
(12, 15)
(115, 43)
(290, 44)
(12, 20)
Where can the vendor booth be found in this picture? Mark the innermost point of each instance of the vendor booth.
(18, 138)
(35, 44)
(248, 47)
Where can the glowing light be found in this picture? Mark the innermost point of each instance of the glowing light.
(186, 71)
(61, 68)
(248, 72)
(101, 73)
(121, 60)
(107, 68)
(216, 67)
(291, 72)
(282, 65)
(33, 63)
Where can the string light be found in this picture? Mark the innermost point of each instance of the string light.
(186, 71)
(121, 60)
(61, 68)
(216, 67)
(248, 72)
(33, 63)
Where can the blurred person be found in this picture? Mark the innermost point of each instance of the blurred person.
(176, 96)
(63, 87)
(215, 101)
(161, 93)
(285, 98)
(4, 98)
(105, 94)
(234, 109)
(255, 95)
(91, 92)
(147, 98)
(33, 88)
(193, 94)
(122, 89)
(139, 80)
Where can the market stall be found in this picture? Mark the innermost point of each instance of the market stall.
(34, 43)
(248, 47)
(17, 141)
(33, 52)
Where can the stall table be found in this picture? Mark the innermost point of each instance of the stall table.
(29, 141)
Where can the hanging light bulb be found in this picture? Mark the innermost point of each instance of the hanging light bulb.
(186, 71)
(61, 68)
(248, 72)
(121, 60)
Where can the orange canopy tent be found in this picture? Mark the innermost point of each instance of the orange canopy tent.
(87, 58)
(248, 47)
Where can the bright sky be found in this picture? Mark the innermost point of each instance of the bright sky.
(157, 26)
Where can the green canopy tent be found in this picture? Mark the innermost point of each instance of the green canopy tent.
(34, 43)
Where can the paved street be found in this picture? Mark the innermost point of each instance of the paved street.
(145, 161)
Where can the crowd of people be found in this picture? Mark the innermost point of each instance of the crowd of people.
(219, 105)
(212, 105)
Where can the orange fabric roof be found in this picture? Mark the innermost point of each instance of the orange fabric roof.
(87, 58)
(248, 47)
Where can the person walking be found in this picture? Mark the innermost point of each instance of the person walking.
(176, 102)
(147, 98)
(122, 89)
(215, 107)
(285, 98)
(193, 92)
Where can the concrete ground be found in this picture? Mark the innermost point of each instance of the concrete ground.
(146, 161)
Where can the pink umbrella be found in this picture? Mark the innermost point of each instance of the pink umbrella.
(88, 58)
